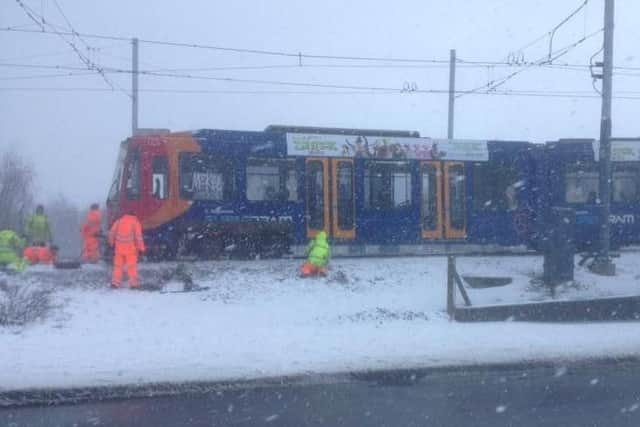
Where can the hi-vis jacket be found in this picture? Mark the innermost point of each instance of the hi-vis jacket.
(126, 235)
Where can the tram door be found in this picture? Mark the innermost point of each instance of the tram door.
(442, 200)
(330, 197)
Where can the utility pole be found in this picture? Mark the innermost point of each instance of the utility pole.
(603, 264)
(134, 86)
(451, 260)
(452, 91)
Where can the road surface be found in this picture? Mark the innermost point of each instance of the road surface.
(597, 394)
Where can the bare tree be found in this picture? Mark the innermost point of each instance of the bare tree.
(16, 190)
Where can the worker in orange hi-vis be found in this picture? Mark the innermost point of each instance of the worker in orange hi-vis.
(91, 230)
(40, 254)
(125, 236)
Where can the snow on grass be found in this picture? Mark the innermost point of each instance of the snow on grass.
(22, 305)
(527, 286)
(258, 319)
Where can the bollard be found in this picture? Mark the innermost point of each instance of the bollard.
(559, 247)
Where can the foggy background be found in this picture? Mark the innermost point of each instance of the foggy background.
(68, 122)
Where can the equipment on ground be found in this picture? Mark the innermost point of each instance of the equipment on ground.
(486, 282)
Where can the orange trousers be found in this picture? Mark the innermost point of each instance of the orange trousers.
(38, 255)
(308, 270)
(91, 249)
(125, 260)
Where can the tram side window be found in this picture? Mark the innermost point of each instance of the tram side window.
(134, 170)
(160, 178)
(456, 196)
(271, 179)
(626, 183)
(495, 186)
(345, 195)
(205, 177)
(581, 183)
(429, 197)
(387, 185)
(315, 195)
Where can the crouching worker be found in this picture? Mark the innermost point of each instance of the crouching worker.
(125, 236)
(10, 249)
(38, 230)
(318, 252)
(41, 254)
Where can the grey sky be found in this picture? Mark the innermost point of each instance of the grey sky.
(72, 136)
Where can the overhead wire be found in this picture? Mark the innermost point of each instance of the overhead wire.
(550, 57)
(36, 55)
(43, 66)
(266, 67)
(564, 21)
(397, 62)
(90, 65)
(211, 78)
(240, 50)
(31, 16)
(22, 26)
(40, 20)
(594, 77)
(64, 16)
(461, 64)
(58, 53)
(517, 53)
(622, 73)
(267, 82)
(434, 61)
(46, 76)
(294, 66)
(567, 65)
(631, 95)
(492, 85)
(152, 73)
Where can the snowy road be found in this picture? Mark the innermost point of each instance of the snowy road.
(573, 395)
(259, 320)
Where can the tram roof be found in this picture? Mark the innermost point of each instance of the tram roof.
(342, 131)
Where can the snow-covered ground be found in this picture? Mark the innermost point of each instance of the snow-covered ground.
(526, 272)
(258, 319)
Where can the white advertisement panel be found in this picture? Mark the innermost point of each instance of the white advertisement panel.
(621, 151)
(397, 148)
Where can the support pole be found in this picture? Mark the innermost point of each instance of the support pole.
(451, 303)
(134, 86)
(603, 264)
(461, 288)
(452, 91)
(451, 261)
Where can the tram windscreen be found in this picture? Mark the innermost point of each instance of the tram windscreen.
(114, 191)
(133, 173)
